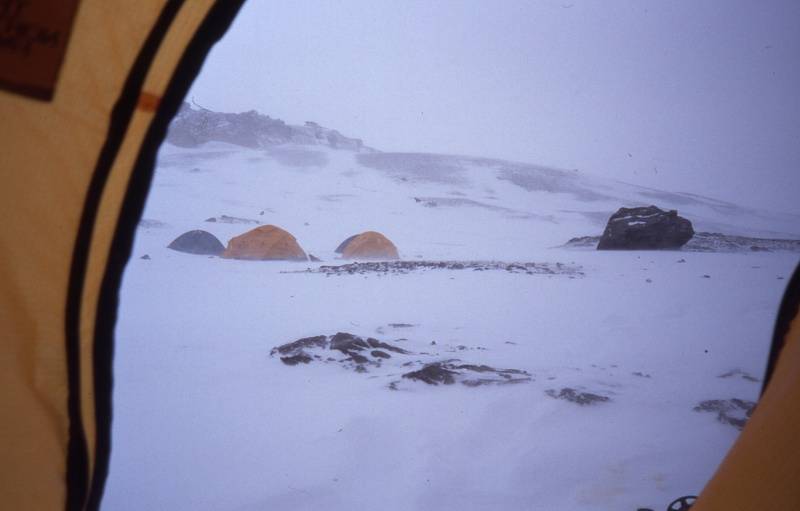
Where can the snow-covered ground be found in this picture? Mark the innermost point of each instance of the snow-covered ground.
(206, 419)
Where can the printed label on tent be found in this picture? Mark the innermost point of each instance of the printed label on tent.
(33, 40)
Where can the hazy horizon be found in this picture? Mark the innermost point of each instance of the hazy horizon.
(680, 96)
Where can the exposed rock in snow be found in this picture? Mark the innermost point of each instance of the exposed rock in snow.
(711, 242)
(404, 267)
(645, 228)
(225, 219)
(471, 375)
(197, 242)
(146, 223)
(740, 373)
(194, 126)
(577, 397)
(734, 412)
(716, 242)
(364, 355)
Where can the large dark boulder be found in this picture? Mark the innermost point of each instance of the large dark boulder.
(645, 228)
(197, 242)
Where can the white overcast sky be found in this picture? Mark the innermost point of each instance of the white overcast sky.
(685, 95)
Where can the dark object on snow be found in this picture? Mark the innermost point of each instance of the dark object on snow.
(729, 411)
(343, 244)
(314, 259)
(354, 347)
(579, 398)
(146, 257)
(741, 373)
(404, 267)
(296, 359)
(364, 355)
(645, 228)
(471, 375)
(682, 503)
(225, 219)
(197, 242)
(433, 374)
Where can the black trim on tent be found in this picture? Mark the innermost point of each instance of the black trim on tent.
(77, 476)
(790, 308)
(213, 27)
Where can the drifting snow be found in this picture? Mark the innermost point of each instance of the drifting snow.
(206, 419)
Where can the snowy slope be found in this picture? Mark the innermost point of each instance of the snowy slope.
(206, 419)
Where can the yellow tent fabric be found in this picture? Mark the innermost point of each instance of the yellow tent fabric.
(66, 166)
(76, 164)
(762, 470)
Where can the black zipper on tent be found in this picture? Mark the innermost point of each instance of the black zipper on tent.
(214, 26)
(77, 476)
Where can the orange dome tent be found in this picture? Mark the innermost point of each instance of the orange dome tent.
(368, 245)
(266, 242)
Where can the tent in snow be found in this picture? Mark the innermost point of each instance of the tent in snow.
(91, 87)
(197, 242)
(368, 245)
(266, 242)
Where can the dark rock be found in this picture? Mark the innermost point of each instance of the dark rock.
(449, 372)
(362, 355)
(740, 373)
(145, 257)
(645, 228)
(433, 374)
(345, 343)
(314, 259)
(405, 267)
(717, 242)
(583, 241)
(225, 219)
(296, 359)
(319, 341)
(197, 242)
(359, 359)
(734, 412)
(375, 343)
(192, 127)
(579, 398)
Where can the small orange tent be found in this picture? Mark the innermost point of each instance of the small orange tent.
(369, 245)
(266, 242)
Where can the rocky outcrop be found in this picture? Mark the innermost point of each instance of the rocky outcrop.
(645, 228)
(404, 267)
(577, 397)
(265, 243)
(370, 355)
(197, 242)
(733, 412)
(194, 126)
(712, 242)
